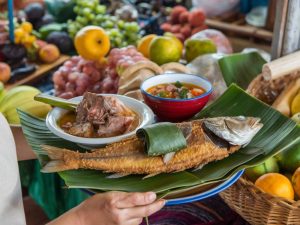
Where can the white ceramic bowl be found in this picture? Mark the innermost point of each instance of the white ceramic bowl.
(144, 112)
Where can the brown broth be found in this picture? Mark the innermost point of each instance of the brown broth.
(70, 117)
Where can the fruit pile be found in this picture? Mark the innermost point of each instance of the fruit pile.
(79, 75)
(121, 33)
(21, 97)
(183, 23)
(266, 176)
(23, 35)
(161, 49)
(279, 175)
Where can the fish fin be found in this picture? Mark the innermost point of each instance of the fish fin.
(150, 175)
(54, 166)
(117, 175)
(53, 152)
(56, 162)
(168, 157)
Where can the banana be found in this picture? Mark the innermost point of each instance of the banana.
(35, 108)
(17, 96)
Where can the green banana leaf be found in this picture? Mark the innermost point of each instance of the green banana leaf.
(241, 68)
(277, 134)
(155, 136)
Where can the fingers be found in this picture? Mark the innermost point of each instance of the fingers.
(136, 199)
(144, 211)
(136, 221)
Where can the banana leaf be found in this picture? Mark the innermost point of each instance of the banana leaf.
(277, 134)
(155, 136)
(241, 68)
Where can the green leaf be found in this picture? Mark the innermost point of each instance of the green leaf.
(183, 93)
(56, 101)
(241, 68)
(178, 84)
(155, 137)
(277, 134)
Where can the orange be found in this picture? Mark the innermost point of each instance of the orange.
(92, 43)
(296, 181)
(144, 43)
(276, 184)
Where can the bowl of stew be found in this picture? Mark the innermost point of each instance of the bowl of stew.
(176, 97)
(91, 125)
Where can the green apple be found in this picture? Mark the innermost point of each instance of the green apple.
(269, 166)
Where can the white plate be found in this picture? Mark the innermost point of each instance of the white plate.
(144, 112)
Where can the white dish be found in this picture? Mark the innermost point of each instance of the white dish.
(144, 112)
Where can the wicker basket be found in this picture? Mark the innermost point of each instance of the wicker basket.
(255, 206)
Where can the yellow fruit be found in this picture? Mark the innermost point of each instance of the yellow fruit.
(164, 50)
(144, 43)
(179, 43)
(92, 43)
(276, 184)
(30, 39)
(19, 33)
(27, 27)
(49, 53)
(295, 106)
(296, 181)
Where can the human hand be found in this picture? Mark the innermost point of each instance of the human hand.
(113, 208)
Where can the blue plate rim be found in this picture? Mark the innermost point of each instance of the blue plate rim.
(208, 193)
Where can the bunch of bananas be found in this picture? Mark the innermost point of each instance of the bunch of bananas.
(21, 97)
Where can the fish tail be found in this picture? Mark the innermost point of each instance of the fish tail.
(57, 162)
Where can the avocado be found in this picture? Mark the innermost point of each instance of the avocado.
(62, 40)
(34, 12)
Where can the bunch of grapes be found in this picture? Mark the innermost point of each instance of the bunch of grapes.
(90, 12)
(78, 75)
(121, 58)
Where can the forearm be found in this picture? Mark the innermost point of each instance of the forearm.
(70, 217)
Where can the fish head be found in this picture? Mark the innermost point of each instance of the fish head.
(238, 130)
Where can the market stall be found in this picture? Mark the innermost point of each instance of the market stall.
(180, 99)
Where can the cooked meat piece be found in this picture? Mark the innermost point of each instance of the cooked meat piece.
(101, 115)
(82, 130)
(91, 109)
(116, 107)
(116, 125)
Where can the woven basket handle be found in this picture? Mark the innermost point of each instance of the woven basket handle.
(282, 66)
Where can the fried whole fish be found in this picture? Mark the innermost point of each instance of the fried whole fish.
(207, 140)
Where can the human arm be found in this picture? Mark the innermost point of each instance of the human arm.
(112, 208)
